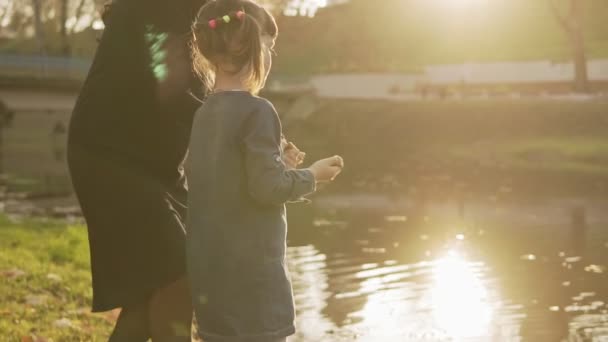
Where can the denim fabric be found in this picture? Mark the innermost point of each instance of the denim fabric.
(237, 225)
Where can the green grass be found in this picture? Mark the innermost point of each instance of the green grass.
(44, 249)
(536, 146)
(580, 155)
(23, 184)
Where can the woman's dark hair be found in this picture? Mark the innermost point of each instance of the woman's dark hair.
(236, 44)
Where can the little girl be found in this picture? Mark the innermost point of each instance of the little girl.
(240, 178)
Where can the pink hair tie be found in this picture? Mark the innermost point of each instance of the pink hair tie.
(213, 24)
(240, 15)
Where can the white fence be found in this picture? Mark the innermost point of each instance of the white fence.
(43, 67)
(511, 72)
(398, 86)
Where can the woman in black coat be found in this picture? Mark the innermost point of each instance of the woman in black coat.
(127, 142)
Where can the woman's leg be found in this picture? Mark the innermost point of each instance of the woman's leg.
(132, 325)
(166, 317)
(170, 313)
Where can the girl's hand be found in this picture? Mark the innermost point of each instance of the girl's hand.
(326, 170)
(292, 156)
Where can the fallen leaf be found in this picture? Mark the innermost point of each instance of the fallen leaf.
(13, 274)
(63, 323)
(34, 338)
(81, 311)
(35, 300)
(53, 276)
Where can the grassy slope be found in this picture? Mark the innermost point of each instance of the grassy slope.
(40, 248)
(586, 156)
(536, 146)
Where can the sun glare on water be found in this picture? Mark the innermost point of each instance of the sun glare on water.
(460, 301)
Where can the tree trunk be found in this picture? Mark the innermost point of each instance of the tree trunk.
(572, 24)
(1, 148)
(63, 18)
(581, 79)
(580, 63)
(38, 29)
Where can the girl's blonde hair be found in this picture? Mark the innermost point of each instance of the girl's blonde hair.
(235, 42)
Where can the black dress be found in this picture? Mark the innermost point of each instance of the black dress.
(128, 139)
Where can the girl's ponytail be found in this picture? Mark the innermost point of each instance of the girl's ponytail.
(228, 35)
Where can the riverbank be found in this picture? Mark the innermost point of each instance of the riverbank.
(528, 147)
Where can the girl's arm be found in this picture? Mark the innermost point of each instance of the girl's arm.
(269, 180)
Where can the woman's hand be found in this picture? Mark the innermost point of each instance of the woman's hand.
(292, 156)
(326, 170)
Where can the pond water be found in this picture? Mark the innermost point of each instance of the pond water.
(364, 277)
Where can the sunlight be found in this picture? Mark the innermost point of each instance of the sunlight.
(387, 313)
(459, 298)
(457, 6)
(385, 310)
(461, 3)
(454, 304)
(6, 9)
(98, 25)
(310, 281)
(304, 7)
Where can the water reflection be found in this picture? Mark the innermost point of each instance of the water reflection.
(310, 286)
(460, 300)
(359, 278)
(445, 299)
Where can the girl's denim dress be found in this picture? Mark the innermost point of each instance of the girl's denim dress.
(236, 243)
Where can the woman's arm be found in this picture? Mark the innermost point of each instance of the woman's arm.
(269, 180)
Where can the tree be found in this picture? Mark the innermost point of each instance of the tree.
(6, 118)
(63, 30)
(571, 21)
(38, 28)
